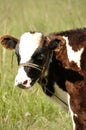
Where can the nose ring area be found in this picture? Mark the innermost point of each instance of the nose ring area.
(23, 83)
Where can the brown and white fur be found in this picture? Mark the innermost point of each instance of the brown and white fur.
(66, 67)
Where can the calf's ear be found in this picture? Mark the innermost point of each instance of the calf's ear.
(54, 43)
(8, 41)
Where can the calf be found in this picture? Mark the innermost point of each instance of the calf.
(63, 56)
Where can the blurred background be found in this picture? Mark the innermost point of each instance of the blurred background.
(22, 109)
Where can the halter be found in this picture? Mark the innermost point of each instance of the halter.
(38, 67)
(35, 66)
(43, 70)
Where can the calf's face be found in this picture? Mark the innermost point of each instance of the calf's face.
(31, 51)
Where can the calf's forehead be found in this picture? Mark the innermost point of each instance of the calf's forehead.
(29, 42)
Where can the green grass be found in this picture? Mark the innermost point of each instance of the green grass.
(22, 109)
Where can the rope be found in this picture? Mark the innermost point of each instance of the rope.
(43, 69)
(31, 65)
(57, 97)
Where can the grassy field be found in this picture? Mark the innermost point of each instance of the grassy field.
(22, 109)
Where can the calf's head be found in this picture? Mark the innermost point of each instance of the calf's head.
(31, 51)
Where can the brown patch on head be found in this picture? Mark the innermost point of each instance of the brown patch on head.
(61, 39)
(61, 45)
(53, 37)
(57, 43)
(45, 41)
(8, 41)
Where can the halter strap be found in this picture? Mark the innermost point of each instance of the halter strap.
(38, 67)
(35, 66)
(43, 69)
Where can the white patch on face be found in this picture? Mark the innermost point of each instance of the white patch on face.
(29, 42)
(71, 112)
(73, 55)
(21, 78)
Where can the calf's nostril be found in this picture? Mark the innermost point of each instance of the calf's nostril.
(25, 82)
